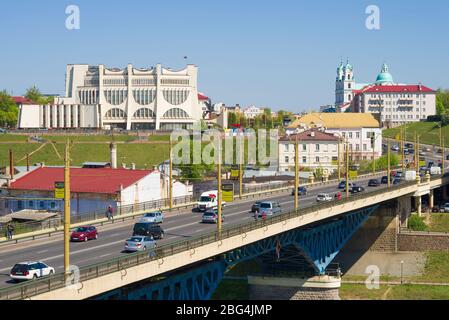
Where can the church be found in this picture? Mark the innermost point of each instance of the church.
(394, 103)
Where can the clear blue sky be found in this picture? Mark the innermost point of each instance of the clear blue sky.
(271, 53)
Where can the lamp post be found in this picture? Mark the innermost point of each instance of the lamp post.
(402, 271)
(296, 173)
(67, 210)
(347, 169)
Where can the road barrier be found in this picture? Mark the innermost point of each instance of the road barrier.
(57, 281)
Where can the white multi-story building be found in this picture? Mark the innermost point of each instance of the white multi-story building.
(397, 104)
(317, 150)
(130, 98)
(360, 130)
(252, 112)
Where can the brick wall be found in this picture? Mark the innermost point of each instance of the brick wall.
(421, 241)
(262, 292)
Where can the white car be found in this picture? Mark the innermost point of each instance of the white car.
(30, 270)
(324, 197)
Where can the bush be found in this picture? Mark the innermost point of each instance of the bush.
(416, 223)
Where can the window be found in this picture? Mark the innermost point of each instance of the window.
(41, 205)
(176, 113)
(143, 113)
(30, 204)
(357, 135)
(304, 159)
(20, 205)
(304, 147)
(350, 135)
(286, 146)
(357, 147)
(176, 96)
(364, 147)
(317, 147)
(115, 114)
(52, 205)
(317, 159)
(286, 159)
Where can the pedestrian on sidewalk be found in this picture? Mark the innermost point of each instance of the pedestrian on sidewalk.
(110, 213)
(10, 231)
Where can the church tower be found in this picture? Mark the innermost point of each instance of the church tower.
(344, 84)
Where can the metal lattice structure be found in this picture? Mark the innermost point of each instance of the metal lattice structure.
(318, 244)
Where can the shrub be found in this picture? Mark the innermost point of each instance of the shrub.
(416, 223)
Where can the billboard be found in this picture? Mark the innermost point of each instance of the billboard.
(227, 192)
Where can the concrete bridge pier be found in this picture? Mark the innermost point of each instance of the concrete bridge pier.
(418, 205)
(289, 288)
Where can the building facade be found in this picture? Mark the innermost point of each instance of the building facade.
(252, 112)
(360, 131)
(130, 98)
(317, 150)
(395, 103)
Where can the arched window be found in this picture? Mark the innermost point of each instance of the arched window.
(143, 113)
(144, 96)
(115, 114)
(176, 113)
(115, 96)
(176, 96)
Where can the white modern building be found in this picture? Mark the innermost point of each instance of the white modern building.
(130, 98)
(252, 112)
(360, 130)
(396, 103)
(317, 150)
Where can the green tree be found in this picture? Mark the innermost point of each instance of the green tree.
(8, 110)
(36, 96)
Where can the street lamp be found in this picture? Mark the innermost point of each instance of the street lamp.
(402, 271)
(373, 146)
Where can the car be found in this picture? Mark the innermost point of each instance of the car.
(399, 175)
(302, 191)
(446, 207)
(30, 270)
(384, 180)
(447, 157)
(397, 181)
(255, 206)
(409, 145)
(440, 151)
(211, 216)
(430, 164)
(148, 229)
(394, 148)
(342, 185)
(357, 189)
(270, 208)
(374, 183)
(84, 233)
(427, 149)
(4, 131)
(154, 217)
(324, 197)
(422, 154)
(139, 243)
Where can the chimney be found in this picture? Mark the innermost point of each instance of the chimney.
(113, 149)
(133, 166)
(124, 165)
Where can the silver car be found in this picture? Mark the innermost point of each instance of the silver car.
(324, 197)
(139, 243)
(270, 208)
(153, 217)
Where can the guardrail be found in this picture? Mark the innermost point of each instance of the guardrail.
(26, 290)
(130, 211)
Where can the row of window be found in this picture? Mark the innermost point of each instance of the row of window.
(144, 82)
(145, 113)
(176, 96)
(350, 135)
(144, 96)
(114, 82)
(305, 159)
(115, 97)
(291, 147)
(392, 95)
(404, 109)
(88, 96)
(56, 112)
(175, 81)
(403, 116)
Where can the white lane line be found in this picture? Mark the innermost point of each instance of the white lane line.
(42, 251)
(105, 255)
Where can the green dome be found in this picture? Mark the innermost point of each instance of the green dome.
(384, 76)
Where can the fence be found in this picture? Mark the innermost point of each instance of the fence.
(26, 290)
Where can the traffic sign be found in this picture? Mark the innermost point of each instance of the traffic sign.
(59, 190)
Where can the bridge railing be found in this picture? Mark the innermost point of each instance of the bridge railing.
(57, 281)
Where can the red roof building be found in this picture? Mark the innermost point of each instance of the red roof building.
(105, 181)
(22, 100)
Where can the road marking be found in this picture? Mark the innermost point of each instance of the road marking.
(105, 255)
(42, 251)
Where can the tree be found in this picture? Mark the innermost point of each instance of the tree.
(8, 110)
(36, 96)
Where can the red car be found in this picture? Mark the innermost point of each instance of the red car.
(84, 233)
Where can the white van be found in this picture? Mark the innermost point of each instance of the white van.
(209, 200)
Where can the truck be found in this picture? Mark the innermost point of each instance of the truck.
(209, 200)
(410, 175)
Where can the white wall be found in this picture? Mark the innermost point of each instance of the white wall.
(29, 116)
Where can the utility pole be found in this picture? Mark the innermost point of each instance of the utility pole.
(219, 194)
(347, 169)
(28, 162)
(242, 149)
(417, 152)
(11, 164)
(374, 153)
(170, 192)
(403, 151)
(338, 161)
(67, 210)
(388, 165)
(296, 174)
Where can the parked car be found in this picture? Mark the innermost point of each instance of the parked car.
(270, 208)
(440, 151)
(324, 197)
(422, 154)
(374, 183)
(4, 131)
(342, 185)
(302, 191)
(394, 148)
(154, 217)
(148, 229)
(85, 233)
(447, 157)
(409, 145)
(399, 175)
(211, 216)
(384, 180)
(357, 189)
(446, 207)
(255, 206)
(397, 181)
(139, 243)
(30, 270)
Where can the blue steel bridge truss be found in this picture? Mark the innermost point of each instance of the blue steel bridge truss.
(319, 244)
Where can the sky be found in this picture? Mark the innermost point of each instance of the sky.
(281, 54)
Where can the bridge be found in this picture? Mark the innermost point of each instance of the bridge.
(317, 231)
